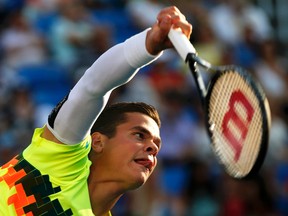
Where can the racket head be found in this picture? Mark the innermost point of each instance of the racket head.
(238, 121)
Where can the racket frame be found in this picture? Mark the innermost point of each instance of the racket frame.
(188, 53)
(264, 109)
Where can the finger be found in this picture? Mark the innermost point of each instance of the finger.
(177, 20)
(172, 12)
(185, 27)
(165, 24)
(169, 11)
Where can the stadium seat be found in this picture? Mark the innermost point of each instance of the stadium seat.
(48, 83)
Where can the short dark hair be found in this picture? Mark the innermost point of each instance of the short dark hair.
(115, 114)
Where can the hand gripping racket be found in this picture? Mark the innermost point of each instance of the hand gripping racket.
(236, 109)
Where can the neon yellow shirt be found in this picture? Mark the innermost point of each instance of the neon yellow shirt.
(47, 177)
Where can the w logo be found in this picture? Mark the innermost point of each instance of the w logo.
(240, 119)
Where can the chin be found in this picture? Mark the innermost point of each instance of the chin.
(139, 181)
(138, 176)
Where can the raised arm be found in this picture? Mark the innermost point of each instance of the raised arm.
(71, 121)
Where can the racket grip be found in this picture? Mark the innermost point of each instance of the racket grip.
(181, 43)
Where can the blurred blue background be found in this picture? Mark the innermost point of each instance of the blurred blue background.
(46, 45)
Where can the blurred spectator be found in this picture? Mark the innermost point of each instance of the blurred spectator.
(206, 44)
(138, 89)
(22, 108)
(20, 43)
(167, 73)
(41, 14)
(202, 194)
(76, 40)
(143, 13)
(247, 197)
(7, 138)
(17, 122)
(7, 6)
(272, 71)
(231, 17)
(105, 3)
(281, 183)
(246, 51)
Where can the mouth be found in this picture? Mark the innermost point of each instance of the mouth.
(144, 162)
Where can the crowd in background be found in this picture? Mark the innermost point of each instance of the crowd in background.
(46, 45)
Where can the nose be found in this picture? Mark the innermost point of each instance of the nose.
(152, 148)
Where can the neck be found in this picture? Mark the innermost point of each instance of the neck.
(103, 195)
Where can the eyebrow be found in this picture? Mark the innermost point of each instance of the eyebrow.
(158, 141)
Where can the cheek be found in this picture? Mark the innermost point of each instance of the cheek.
(124, 149)
(130, 144)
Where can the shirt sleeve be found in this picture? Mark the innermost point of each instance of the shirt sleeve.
(61, 162)
(90, 95)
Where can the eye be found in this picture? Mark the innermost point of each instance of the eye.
(139, 135)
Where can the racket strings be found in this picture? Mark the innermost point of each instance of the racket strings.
(237, 122)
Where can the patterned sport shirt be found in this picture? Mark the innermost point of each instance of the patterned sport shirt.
(47, 179)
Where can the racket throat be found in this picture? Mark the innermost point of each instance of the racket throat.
(197, 76)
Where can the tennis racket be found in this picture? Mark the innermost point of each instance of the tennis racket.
(236, 109)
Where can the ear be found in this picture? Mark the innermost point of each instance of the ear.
(97, 142)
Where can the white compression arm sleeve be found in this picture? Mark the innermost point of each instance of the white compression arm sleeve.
(90, 95)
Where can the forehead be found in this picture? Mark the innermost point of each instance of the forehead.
(135, 119)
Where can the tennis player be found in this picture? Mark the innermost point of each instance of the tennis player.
(89, 154)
